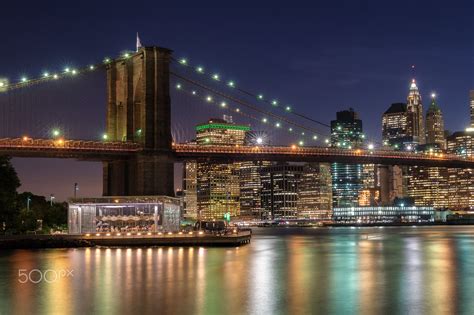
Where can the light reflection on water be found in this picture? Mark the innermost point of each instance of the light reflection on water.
(326, 271)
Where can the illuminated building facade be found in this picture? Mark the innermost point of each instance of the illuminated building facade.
(315, 192)
(280, 190)
(416, 127)
(250, 187)
(461, 181)
(471, 103)
(218, 185)
(389, 214)
(190, 190)
(346, 133)
(428, 186)
(435, 124)
(395, 126)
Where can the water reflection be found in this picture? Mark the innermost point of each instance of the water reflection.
(327, 271)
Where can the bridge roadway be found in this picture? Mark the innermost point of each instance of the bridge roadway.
(103, 151)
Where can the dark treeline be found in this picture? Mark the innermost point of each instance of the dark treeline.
(26, 212)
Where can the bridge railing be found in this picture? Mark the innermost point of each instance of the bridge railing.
(324, 151)
(39, 144)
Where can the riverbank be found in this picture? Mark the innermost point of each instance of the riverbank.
(117, 240)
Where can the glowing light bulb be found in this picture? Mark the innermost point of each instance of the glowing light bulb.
(126, 55)
(24, 79)
(301, 143)
(74, 71)
(433, 95)
(55, 76)
(178, 86)
(260, 97)
(91, 67)
(290, 129)
(223, 104)
(274, 102)
(215, 77)
(264, 120)
(107, 60)
(237, 110)
(231, 83)
(183, 61)
(370, 146)
(259, 140)
(315, 137)
(209, 99)
(193, 92)
(277, 125)
(46, 74)
(200, 69)
(288, 108)
(2, 84)
(67, 70)
(56, 132)
(105, 136)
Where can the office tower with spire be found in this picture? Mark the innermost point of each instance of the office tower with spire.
(416, 127)
(435, 124)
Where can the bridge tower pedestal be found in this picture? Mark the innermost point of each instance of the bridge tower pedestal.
(139, 110)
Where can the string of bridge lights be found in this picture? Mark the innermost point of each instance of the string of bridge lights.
(260, 97)
(223, 104)
(67, 72)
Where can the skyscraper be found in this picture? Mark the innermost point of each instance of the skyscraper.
(280, 190)
(461, 181)
(471, 100)
(416, 127)
(315, 192)
(190, 190)
(250, 189)
(395, 126)
(346, 133)
(435, 124)
(218, 185)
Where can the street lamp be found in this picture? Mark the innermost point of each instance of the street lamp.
(28, 201)
(51, 198)
(76, 188)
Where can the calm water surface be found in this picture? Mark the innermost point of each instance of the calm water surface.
(409, 270)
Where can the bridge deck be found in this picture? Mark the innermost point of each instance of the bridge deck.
(102, 150)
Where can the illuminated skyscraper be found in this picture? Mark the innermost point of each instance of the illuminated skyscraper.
(250, 189)
(346, 133)
(461, 181)
(471, 101)
(218, 185)
(190, 190)
(435, 124)
(280, 190)
(315, 192)
(428, 186)
(395, 126)
(416, 127)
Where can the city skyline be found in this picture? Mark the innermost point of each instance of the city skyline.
(325, 75)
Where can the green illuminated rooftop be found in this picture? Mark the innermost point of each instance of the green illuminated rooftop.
(222, 126)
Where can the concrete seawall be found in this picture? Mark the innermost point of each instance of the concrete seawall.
(117, 239)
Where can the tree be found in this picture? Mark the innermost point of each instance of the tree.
(9, 183)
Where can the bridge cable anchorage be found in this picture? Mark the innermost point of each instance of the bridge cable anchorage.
(237, 110)
(244, 103)
(259, 97)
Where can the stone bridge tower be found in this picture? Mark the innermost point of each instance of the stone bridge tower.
(139, 110)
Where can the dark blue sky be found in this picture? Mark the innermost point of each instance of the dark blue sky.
(322, 57)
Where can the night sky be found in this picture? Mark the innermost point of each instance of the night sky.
(321, 58)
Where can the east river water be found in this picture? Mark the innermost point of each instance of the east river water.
(390, 270)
